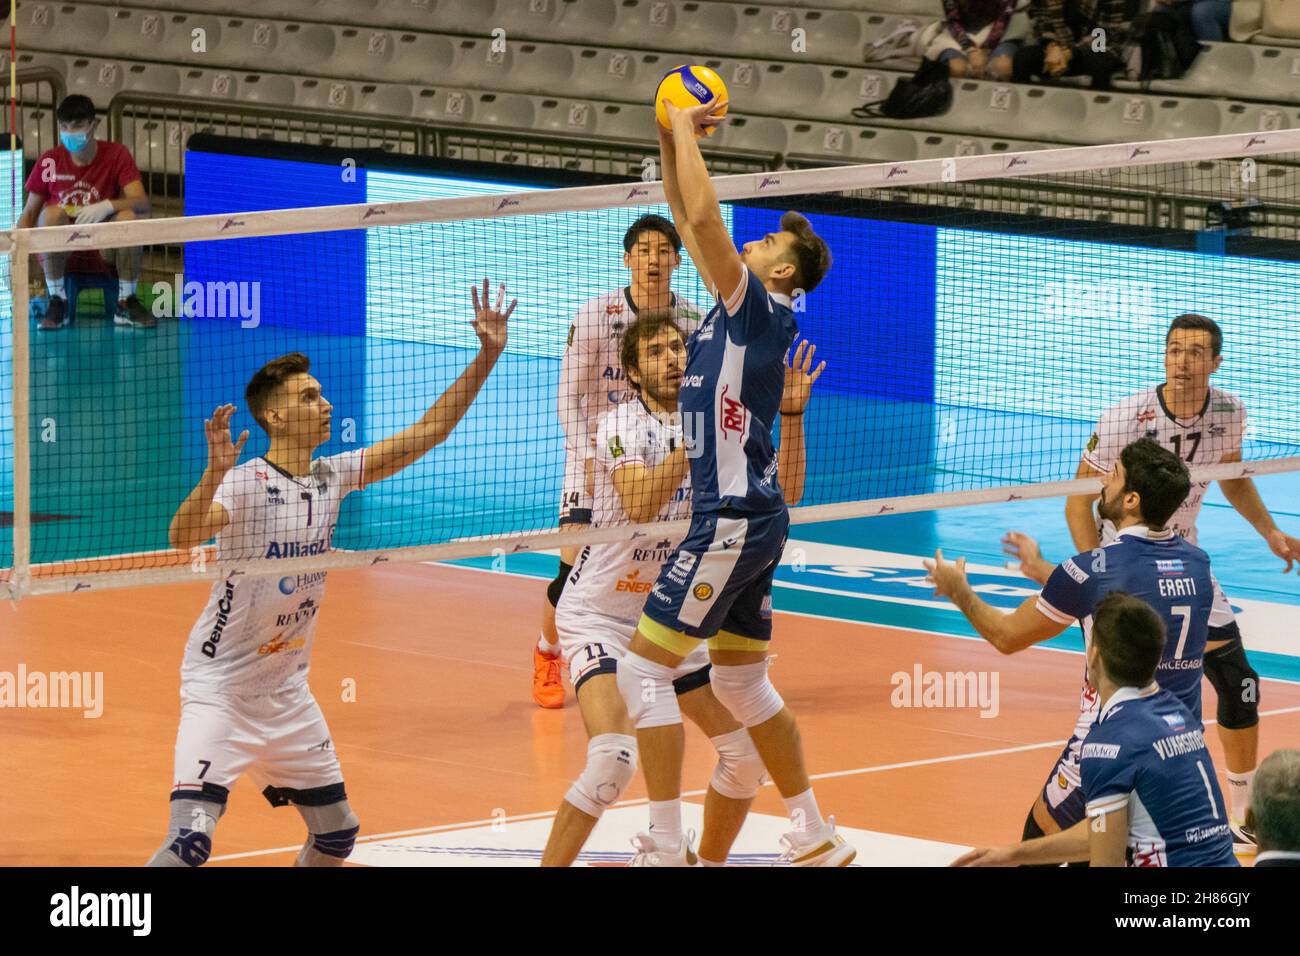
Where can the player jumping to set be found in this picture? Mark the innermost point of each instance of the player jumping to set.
(245, 703)
(1202, 425)
(592, 382)
(641, 476)
(717, 584)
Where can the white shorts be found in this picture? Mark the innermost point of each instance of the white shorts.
(1220, 611)
(593, 644)
(281, 739)
(575, 502)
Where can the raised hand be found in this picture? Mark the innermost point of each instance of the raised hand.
(699, 118)
(222, 453)
(489, 320)
(799, 379)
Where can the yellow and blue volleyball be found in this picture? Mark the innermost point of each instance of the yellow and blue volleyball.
(687, 86)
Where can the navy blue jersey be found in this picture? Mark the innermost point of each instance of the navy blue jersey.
(731, 396)
(1161, 568)
(1147, 753)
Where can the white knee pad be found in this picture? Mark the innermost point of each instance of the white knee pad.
(745, 691)
(611, 765)
(740, 771)
(647, 690)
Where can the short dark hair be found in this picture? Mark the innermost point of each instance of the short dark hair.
(1275, 801)
(75, 108)
(1202, 323)
(1130, 637)
(270, 377)
(811, 256)
(651, 223)
(1158, 476)
(643, 328)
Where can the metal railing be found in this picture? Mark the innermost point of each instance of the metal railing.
(39, 91)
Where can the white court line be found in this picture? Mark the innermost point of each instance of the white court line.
(857, 771)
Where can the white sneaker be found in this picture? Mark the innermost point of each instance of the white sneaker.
(826, 848)
(650, 853)
(1243, 838)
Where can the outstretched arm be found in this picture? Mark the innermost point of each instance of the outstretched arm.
(791, 456)
(1244, 497)
(200, 517)
(1023, 627)
(706, 236)
(394, 453)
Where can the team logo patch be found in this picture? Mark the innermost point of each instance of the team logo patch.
(616, 447)
(702, 591)
(1175, 721)
(1172, 566)
(1093, 442)
(572, 329)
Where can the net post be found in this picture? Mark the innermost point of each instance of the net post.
(20, 580)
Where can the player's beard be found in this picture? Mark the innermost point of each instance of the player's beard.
(665, 395)
(1106, 508)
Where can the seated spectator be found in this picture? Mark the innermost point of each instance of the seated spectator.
(1274, 813)
(86, 180)
(973, 44)
(1064, 41)
(1209, 18)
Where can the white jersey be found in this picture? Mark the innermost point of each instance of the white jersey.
(591, 375)
(613, 579)
(255, 635)
(1204, 439)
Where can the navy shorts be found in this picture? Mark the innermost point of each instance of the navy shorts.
(718, 583)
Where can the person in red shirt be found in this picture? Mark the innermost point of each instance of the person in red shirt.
(86, 180)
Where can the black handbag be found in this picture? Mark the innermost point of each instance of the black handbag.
(927, 93)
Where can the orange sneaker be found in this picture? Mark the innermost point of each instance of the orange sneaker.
(548, 688)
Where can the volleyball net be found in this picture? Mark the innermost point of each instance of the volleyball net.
(980, 314)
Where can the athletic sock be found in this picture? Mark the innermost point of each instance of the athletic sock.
(704, 862)
(1239, 793)
(125, 289)
(547, 648)
(805, 816)
(666, 822)
(54, 287)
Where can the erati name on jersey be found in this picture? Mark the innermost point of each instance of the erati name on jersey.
(254, 635)
(1207, 438)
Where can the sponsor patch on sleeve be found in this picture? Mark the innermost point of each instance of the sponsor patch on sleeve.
(572, 328)
(1093, 442)
(616, 447)
(1101, 751)
(1073, 570)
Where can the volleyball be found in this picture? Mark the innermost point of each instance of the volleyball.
(687, 86)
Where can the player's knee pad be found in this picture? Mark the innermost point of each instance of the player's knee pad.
(332, 830)
(740, 771)
(611, 765)
(744, 689)
(556, 587)
(189, 835)
(1236, 683)
(647, 690)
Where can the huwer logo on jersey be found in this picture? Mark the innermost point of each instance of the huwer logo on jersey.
(290, 584)
(223, 618)
(693, 381)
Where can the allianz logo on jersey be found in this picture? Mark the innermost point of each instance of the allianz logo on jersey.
(300, 549)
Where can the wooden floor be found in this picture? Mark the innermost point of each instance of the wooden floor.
(443, 729)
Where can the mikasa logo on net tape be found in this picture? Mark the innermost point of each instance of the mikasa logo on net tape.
(76, 690)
